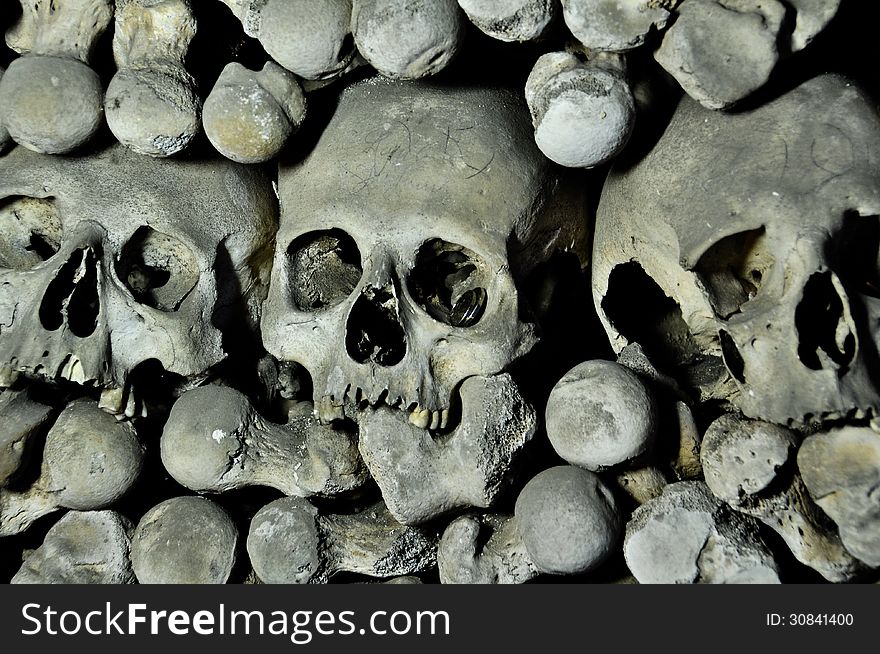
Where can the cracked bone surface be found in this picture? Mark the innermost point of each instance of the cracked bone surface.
(394, 298)
(583, 113)
(184, 540)
(511, 20)
(408, 39)
(50, 100)
(750, 465)
(423, 475)
(841, 470)
(310, 39)
(615, 25)
(686, 535)
(114, 259)
(739, 58)
(152, 103)
(21, 420)
(249, 115)
(601, 414)
(292, 542)
(90, 461)
(484, 549)
(568, 520)
(83, 547)
(215, 441)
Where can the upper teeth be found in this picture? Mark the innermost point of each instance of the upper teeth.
(329, 408)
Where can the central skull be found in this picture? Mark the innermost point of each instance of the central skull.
(403, 236)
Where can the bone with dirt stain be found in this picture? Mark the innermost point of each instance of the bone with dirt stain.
(215, 441)
(292, 542)
(90, 461)
(152, 103)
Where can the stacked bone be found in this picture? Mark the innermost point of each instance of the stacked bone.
(383, 435)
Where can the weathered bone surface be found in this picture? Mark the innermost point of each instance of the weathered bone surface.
(599, 415)
(215, 441)
(434, 30)
(89, 547)
(612, 25)
(4, 133)
(749, 464)
(121, 273)
(394, 298)
(642, 484)
(511, 20)
(568, 520)
(311, 39)
(841, 470)
(291, 542)
(50, 100)
(423, 475)
(811, 17)
(688, 536)
(90, 461)
(752, 255)
(184, 540)
(21, 419)
(466, 555)
(152, 102)
(737, 59)
(249, 115)
(583, 113)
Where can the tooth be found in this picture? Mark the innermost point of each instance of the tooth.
(328, 411)
(76, 373)
(420, 418)
(111, 400)
(8, 376)
(358, 395)
(435, 420)
(444, 418)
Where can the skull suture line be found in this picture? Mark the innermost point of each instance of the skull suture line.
(403, 236)
(742, 251)
(114, 259)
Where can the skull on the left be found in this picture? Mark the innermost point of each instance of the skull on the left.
(111, 260)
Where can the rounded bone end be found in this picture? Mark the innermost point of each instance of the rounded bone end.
(184, 540)
(601, 414)
(434, 34)
(310, 39)
(249, 115)
(284, 543)
(611, 25)
(743, 457)
(202, 445)
(92, 459)
(583, 115)
(568, 520)
(153, 111)
(511, 20)
(82, 548)
(51, 105)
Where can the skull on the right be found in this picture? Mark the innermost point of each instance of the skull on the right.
(742, 253)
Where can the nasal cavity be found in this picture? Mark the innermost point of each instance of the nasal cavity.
(72, 296)
(373, 332)
(826, 331)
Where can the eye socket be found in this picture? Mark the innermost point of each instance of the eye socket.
(856, 253)
(449, 282)
(158, 269)
(30, 232)
(324, 268)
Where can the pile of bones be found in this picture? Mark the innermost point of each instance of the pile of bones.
(474, 291)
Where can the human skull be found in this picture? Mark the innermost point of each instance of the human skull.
(403, 236)
(113, 259)
(742, 252)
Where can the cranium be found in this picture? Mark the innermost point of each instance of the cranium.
(403, 236)
(112, 259)
(742, 252)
